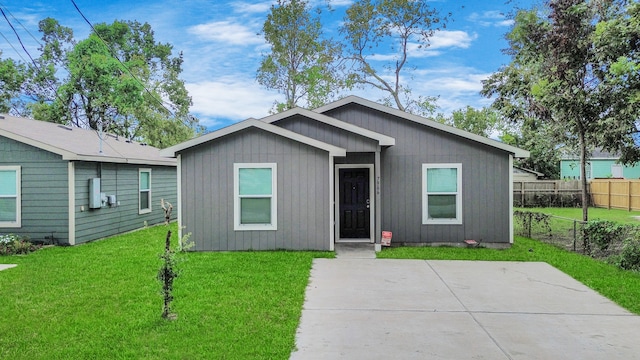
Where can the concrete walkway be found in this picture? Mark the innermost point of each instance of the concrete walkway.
(414, 309)
(6, 266)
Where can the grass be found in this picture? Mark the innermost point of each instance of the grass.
(622, 287)
(102, 300)
(617, 215)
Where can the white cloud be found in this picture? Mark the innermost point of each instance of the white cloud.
(251, 7)
(227, 32)
(448, 39)
(229, 98)
(490, 18)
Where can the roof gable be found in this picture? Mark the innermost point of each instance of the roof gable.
(74, 143)
(333, 150)
(422, 121)
(383, 140)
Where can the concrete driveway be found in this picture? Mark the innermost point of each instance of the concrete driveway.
(416, 309)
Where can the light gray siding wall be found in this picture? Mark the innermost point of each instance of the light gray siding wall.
(44, 185)
(328, 134)
(302, 191)
(485, 180)
(120, 180)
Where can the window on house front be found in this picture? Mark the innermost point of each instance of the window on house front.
(10, 212)
(442, 193)
(144, 197)
(255, 196)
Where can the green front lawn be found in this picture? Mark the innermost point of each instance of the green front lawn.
(102, 301)
(623, 287)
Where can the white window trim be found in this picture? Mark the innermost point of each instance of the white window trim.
(18, 197)
(236, 197)
(141, 210)
(425, 197)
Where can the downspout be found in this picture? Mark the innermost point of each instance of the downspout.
(179, 198)
(71, 193)
(378, 202)
(332, 205)
(510, 198)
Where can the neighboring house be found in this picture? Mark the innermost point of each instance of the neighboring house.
(522, 174)
(65, 185)
(601, 164)
(345, 172)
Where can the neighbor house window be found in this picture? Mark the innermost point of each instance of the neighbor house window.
(10, 213)
(255, 197)
(442, 193)
(144, 190)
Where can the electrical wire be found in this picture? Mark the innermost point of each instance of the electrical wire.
(13, 47)
(19, 40)
(21, 25)
(159, 101)
(35, 64)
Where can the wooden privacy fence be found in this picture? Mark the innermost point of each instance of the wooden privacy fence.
(560, 193)
(616, 193)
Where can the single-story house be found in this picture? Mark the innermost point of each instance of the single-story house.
(522, 174)
(304, 180)
(66, 185)
(601, 164)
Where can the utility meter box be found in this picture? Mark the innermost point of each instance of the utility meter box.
(95, 200)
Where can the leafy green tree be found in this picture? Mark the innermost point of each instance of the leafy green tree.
(119, 79)
(564, 74)
(484, 122)
(12, 76)
(301, 63)
(374, 28)
(535, 137)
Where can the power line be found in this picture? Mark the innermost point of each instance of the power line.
(159, 101)
(35, 64)
(19, 40)
(13, 47)
(21, 25)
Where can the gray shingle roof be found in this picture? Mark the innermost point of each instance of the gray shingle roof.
(79, 144)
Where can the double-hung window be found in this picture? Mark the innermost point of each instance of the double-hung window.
(442, 193)
(10, 212)
(255, 197)
(144, 191)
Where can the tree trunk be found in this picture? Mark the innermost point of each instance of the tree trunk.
(583, 173)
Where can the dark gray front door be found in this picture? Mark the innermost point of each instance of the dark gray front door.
(354, 203)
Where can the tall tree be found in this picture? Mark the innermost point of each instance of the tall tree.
(559, 75)
(376, 28)
(536, 138)
(301, 63)
(12, 76)
(483, 122)
(119, 79)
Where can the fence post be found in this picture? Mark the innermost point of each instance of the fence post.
(609, 194)
(629, 194)
(575, 235)
(529, 229)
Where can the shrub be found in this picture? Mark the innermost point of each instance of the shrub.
(11, 244)
(630, 255)
(601, 233)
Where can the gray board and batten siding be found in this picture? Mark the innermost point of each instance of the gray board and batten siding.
(44, 190)
(302, 192)
(485, 179)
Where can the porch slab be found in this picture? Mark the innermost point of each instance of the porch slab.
(416, 309)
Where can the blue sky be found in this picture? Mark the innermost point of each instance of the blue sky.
(222, 48)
